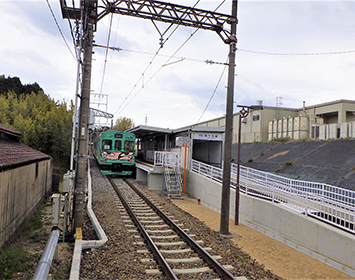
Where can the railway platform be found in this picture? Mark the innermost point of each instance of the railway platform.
(277, 257)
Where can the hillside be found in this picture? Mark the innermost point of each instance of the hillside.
(331, 162)
(15, 85)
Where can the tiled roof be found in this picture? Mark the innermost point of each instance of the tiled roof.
(9, 130)
(14, 154)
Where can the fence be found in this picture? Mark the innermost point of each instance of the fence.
(328, 203)
(168, 158)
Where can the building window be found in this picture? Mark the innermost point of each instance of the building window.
(37, 167)
(256, 118)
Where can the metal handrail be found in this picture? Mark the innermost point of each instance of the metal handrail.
(169, 158)
(328, 203)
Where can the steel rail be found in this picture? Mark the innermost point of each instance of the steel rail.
(216, 266)
(165, 267)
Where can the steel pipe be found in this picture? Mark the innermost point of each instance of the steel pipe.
(46, 259)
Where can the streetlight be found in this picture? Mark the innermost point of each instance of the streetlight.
(243, 113)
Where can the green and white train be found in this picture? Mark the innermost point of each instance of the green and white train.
(115, 153)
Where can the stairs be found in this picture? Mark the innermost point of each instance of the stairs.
(172, 177)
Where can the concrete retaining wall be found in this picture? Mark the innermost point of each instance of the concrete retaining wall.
(324, 242)
(21, 190)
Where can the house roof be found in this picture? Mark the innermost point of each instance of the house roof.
(9, 131)
(13, 153)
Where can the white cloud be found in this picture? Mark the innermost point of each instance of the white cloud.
(34, 50)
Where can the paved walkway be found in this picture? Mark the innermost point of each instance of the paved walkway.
(281, 259)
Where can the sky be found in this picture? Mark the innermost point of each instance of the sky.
(296, 50)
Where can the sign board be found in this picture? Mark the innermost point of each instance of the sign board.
(181, 141)
(207, 136)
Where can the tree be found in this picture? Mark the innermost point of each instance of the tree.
(123, 124)
(45, 125)
(14, 84)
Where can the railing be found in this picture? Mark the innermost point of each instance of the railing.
(328, 203)
(168, 158)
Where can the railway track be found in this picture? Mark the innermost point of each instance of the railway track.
(176, 255)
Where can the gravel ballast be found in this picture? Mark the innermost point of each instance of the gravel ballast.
(118, 258)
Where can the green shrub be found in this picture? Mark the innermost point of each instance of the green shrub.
(12, 259)
(281, 139)
(288, 163)
(35, 221)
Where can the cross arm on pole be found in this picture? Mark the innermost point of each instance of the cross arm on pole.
(69, 12)
(102, 114)
(173, 14)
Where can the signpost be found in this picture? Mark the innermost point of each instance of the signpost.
(184, 142)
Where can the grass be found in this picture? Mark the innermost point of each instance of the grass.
(12, 259)
(35, 221)
(281, 139)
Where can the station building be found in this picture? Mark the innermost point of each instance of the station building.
(267, 205)
(324, 121)
(331, 120)
(206, 143)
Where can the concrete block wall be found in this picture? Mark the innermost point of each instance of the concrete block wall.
(21, 190)
(324, 242)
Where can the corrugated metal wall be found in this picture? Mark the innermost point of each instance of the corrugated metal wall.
(21, 189)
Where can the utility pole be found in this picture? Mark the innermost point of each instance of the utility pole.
(227, 160)
(169, 13)
(89, 10)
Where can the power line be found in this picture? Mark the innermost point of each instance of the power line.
(61, 33)
(146, 69)
(214, 92)
(295, 54)
(161, 55)
(161, 67)
(135, 85)
(106, 54)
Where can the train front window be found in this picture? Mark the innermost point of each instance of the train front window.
(118, 145)
(129, 146)
(106, 144)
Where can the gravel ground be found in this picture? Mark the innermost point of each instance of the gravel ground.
(118, 258)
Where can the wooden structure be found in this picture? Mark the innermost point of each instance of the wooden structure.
(25, 180)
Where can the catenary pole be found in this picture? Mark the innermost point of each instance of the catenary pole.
(169, 13)
(89, 20)
(227, 155)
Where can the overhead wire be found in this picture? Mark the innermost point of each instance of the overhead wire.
(183, 44)
(77, 49)
(141, 77)
(60, 30)
(148, 66)
(106, 54)
(161, 55)
(214, 92)
(296, 54)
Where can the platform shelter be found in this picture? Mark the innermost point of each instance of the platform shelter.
(205, 144)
